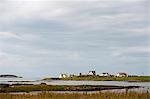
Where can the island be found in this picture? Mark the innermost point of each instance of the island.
(92, 76)
(97, 78)
(9, 76)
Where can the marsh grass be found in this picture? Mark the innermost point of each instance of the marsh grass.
(30, 88)
(108, 95)
(98, 78)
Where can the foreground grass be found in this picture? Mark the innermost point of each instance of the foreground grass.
(98, 78)
(130, 95)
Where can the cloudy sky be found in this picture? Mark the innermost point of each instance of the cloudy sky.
(42, 38)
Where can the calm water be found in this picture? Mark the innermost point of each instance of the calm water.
(145, 86)
(61, 82)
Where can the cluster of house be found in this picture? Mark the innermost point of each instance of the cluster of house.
(117, 75)
(93, 73)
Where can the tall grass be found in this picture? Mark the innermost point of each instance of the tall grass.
(131, 95)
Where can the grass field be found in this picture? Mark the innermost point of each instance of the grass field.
(98, 78)
(131, 95)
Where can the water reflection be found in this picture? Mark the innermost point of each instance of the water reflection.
(61, 82)
(144, 86)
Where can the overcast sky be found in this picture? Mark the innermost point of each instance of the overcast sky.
(43, 38)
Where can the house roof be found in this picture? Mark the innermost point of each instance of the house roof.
(105, 73)
(122, 73)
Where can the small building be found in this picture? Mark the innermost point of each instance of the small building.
(122, 75)
(105, 75)
(92, 73)
(63, 76)
(80, 74)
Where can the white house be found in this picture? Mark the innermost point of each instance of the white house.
(92, 73)
(122, 75)
(105, 74)
(63, 76)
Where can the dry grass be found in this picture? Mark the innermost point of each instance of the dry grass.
(131, 95)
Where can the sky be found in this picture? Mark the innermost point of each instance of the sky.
(43, 38)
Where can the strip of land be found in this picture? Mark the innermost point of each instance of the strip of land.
(42, 87)
(98, 78)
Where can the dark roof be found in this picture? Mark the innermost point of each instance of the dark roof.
(123, 73)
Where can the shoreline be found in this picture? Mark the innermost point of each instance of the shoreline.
(77, 80)
(88, 78)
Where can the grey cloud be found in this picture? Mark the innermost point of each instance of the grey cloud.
(74, 34)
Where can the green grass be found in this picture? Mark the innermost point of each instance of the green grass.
(98, 78)
(131, 95)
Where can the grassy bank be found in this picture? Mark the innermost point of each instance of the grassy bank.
(30, 88)
(131, 95)
(98, 78)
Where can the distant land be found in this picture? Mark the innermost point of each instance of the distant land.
(9, 76)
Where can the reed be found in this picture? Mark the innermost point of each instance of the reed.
(100, 95)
